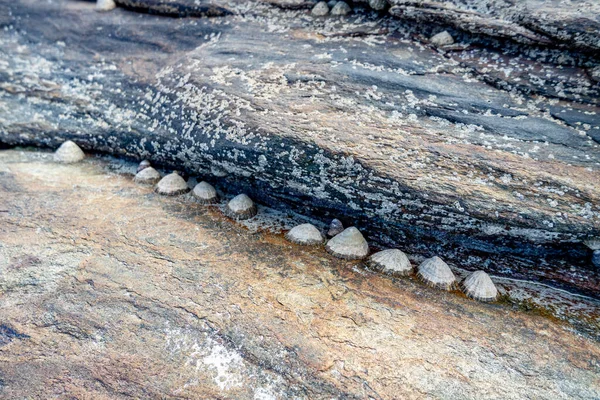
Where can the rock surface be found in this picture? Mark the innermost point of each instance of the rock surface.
(472, 153)
(110, 291)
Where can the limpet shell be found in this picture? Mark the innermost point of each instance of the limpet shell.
(479, 286)
(442, 39)
(593, 244)
(241, 207)
(105, 5)
(378, 5)
(171, 185)
(147, 176)
(68, 153)
(436, 273)
(341, 8)
(350, 245)
(391, 261)
(142, 165)
(335, 228)
(205, 193)
(320, 9)
(305, 234)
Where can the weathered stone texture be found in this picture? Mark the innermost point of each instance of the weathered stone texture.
(487, 157)
(110, 291)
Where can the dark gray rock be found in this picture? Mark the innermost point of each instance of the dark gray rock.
(357, 118)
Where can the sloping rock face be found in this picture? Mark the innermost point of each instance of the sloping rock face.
(487, 157)
(565, 24)
(111, 291)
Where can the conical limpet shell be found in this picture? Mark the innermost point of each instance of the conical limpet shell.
(205, 193)
(306, 234)
(320, 9)
(105, 5)
(378, 5)
(436, 273)
(480, 287)
(335, 228)
(171, 185)
(593, 244)
(69, 152)
(392, 261)
(350, 244)
(341, 8)
(144, 164)
(147, 176)
(442, 39)
(241, 207)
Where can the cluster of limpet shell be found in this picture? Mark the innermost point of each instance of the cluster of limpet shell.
(348, 243)
(340, 8)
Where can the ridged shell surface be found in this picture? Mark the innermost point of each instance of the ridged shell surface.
(306, 234)
(241, 207)
(205, 193)
(68, 153)
(392, 261)
(435, 272)
(479, 286)
(350, 245)
(147, 176)
(593, 244)
(341, 8)
(442, 39)
(171, 185)
(320, 9)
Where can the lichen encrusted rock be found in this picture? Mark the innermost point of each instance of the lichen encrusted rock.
(305, 234)
(436, 273)
(391, 261)
(349, 245)
(68, 153)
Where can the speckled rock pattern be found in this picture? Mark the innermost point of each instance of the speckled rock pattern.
(476, 154)
(110, 291)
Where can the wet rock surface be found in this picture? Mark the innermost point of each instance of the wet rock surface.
(489, 158)
(108, 290)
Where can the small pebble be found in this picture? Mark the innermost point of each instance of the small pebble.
(335, 228)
